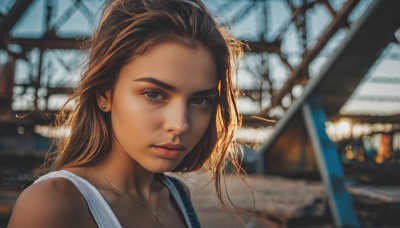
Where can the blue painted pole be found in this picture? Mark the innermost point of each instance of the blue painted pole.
(329, 165)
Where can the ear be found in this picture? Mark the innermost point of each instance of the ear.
(104, 101)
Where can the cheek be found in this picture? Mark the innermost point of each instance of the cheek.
(131, 117)
(200, 125)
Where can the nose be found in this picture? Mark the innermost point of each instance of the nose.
(177, 119)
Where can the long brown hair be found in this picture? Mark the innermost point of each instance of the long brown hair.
(127, 29)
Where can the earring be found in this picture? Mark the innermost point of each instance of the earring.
(104, 106)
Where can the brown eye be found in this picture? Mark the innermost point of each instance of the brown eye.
(153, 95)
(201, 101)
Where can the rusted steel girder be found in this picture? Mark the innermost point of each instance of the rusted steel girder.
(76, 43)
(9, 20)
(336, 23)
(47, 43)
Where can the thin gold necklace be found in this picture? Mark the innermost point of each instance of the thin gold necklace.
(154, 214)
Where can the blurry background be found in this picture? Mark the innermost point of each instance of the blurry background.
(294, 48)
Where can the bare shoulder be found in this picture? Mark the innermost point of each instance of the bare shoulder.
(55, 202)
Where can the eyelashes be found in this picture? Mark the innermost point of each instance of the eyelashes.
(154, 95)
(204, 101)
(158, 96)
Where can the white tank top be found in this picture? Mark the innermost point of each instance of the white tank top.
(101, 211)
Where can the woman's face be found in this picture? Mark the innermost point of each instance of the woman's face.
(162, 104)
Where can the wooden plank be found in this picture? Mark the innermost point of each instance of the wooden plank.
(281, 197)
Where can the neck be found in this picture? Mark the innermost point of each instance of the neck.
(127, 174)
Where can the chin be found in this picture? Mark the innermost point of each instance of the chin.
(163, 168)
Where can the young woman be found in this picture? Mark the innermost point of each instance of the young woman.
(156, 96)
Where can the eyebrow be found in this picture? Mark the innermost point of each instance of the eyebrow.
(212, 91)
(157, 83)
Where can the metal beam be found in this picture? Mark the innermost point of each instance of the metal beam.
(76, 43)
(351, 59)
(12, 17)
(329, 166)
(393, 119)
(331, 29)
(49, 42)
(363, 44)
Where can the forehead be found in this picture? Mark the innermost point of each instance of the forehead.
(184, 67)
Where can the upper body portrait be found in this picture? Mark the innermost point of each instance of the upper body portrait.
(156, 96)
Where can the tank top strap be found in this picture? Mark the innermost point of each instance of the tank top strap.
(98, 206)
(177, 189)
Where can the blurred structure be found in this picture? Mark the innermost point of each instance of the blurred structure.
(295, 49)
